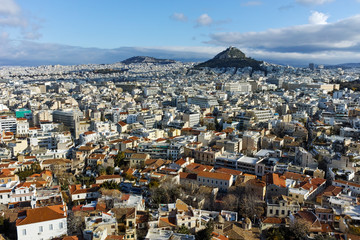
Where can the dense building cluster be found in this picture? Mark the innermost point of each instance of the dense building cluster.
(166, 151)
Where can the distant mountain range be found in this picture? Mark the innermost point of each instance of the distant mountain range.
(145, 59)
(344, 65)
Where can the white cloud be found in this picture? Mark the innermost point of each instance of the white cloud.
(204, 20)
(179, 17)
(313, 2)
(252, 3)
(318, 18)
(11, 16)
(9, 7)
(342, 35)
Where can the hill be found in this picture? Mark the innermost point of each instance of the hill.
(230, 58)
(145, 59)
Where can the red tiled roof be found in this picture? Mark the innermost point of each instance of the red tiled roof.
(214, 175)
(228, 171)
(42, 214)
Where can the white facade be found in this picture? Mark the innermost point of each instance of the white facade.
(7, 124)
(42, 230)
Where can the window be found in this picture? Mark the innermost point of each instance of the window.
(282, 212)
(61, 225)
(24, 232)
(271, 211)
(51, 227)
(41, 229)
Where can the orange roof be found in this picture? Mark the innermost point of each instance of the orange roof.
(274, 178)
(102, 177)
(42, 214)
(214, 175)
(347, 183)
(70, 238)
(228, 171)
(180, 162)
(190, 176)
(125, 197)
(256, 182)
(122, 123)
(218, 236)
(180, 205)
(134, 138)
(196, 167)
(272, 220)
(88, 133)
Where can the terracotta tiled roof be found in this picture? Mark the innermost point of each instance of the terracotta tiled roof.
(103, 177)
(274, 178)
(180, 162)
(42, 214)
(347, 183)
(214, 175)
(272, 220)
(218, 236)
(256, 182)
(166, 222)
(189, 176)
(295, 176)
(228, 171)
(331, 191)
(196, 167)
(122, 123)
(181, 206)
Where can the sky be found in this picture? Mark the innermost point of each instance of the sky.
(294, 32)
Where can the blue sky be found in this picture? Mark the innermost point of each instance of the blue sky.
(34, 32)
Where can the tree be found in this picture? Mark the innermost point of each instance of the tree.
(102, 171)
(109, 170)
(120, 160)
(110, 185)
(183, 230)
(250, 206)
(275, 234)
(34, 168)
(205, 234)
(159, 195)
(230, 202)
(217, 125)
(154, 184)
(299, 228)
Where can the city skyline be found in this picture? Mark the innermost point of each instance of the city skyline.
(289, 32)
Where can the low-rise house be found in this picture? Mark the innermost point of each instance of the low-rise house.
(217, 180)
(307, 190)
(100, 226)
(325, 215)
(138, 159)
(79, 193)
(281, 207)
(275, 185)
(353, 187)
(60, 164)
(257, 188)
(42, 223)
(104, 178)
(331, 190)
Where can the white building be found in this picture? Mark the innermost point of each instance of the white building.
(42, 223)
(7, 124)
